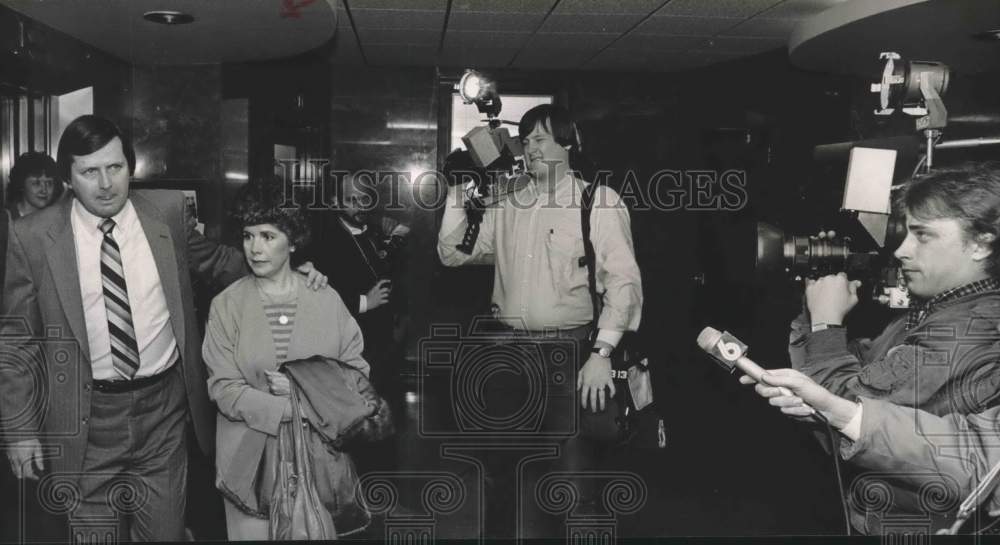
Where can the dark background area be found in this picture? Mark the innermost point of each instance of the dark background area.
(732, 466)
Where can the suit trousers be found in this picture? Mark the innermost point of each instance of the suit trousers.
(135, 467)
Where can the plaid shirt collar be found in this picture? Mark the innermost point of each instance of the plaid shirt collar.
(923, 308)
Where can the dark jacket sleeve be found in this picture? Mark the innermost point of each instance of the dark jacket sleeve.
(947, 364)
(217, 262)
(912, 444)
(827, 359)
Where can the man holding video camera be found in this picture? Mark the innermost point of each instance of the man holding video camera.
(942, 356)
(540, 285)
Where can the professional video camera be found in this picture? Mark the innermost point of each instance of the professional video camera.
(498, 157)
(916, 89)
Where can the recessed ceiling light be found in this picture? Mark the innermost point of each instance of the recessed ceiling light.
(168, 17)
(989, 35)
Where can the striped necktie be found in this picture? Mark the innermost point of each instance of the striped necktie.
(124, 349)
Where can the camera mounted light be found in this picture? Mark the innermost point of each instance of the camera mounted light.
(475, 88)
(472, 86)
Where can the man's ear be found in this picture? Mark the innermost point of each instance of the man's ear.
(983, 243)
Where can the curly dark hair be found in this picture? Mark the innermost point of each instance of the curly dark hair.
(33, 163)
(263, 201)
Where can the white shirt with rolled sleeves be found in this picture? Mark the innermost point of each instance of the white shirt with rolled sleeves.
(535, 240)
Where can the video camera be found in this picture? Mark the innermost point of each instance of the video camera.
(915, 88)
(866, 256)
(497, 157)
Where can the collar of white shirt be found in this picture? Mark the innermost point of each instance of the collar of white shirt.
(354, 230)
(125, 220)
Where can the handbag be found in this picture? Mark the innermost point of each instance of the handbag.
(296, 509)
(629, 362)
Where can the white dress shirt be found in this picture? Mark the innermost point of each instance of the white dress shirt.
(534, 239)
(150, 317)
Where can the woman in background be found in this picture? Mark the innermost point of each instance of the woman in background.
(33, 184)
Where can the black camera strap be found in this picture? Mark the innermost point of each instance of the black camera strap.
(589, 259)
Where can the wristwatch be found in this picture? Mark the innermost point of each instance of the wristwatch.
(602, 351)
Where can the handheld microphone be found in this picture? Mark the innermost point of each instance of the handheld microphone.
(730, 353)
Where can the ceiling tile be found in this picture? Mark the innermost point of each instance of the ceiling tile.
(643, 7)
(570, 40)
(479, 20)
(391, 55)
(686, 26)
(656, 61)
(561, 59)
(475, 57)
(710, 56)
(485, 39)
(504, 6)
(618, 54)
(743, 45)
(399, 36)
(798, 9)
(391, 18)
(764, 27)
(617, 64)
(590, 23)
(716, 8)
(439, 5)
(634, 41)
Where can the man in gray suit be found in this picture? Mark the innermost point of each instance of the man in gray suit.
(101, 366)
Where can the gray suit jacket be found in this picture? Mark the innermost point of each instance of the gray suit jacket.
(45, 372)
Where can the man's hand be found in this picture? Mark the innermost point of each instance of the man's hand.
(26, 458)
(830, 298)
(393, 228)
(807, 396)
(379, 294)
(594, 377)
(314, 279)
(278, 384)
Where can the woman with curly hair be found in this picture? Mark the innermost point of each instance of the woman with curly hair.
(34, 184)
(255, 325)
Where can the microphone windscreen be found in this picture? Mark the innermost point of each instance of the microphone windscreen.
(709, 338)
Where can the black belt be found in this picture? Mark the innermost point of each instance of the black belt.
(121, 386)
(571, 331)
